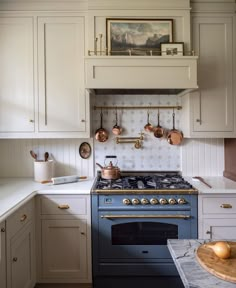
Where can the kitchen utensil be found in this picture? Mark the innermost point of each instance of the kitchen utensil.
(101, 134)
(202, 180)
(222, 268)
(46, 156)
(174, 136)
(64, 179)
(33, 155)
(116, 128)
(43, 170)
(110, 171)
(158, 131)
(148, 127)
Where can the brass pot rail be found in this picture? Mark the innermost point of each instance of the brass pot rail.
(146, 216)
(137, 107)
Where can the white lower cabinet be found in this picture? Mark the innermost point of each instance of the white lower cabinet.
(3, 283)
(64, 239)
(20, 236)
(217, 217)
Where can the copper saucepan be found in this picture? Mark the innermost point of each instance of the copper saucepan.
(158, 131)
(110, 171)
(101, 134)
(174, 136)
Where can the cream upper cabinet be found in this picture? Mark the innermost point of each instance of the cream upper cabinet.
(3, 283)
(16, 75)
(62, 98)
(209, 111)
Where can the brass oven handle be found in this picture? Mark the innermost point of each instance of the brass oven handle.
(64, 206)
(226, 206)
(146, 216)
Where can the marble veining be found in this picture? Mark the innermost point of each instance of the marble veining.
(191, 273)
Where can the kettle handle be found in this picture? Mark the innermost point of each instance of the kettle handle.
(110, 157)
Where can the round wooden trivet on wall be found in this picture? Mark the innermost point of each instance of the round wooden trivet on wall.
(222, 268)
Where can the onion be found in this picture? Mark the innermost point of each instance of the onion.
(221, 249)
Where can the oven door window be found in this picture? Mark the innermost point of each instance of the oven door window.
(143, 233)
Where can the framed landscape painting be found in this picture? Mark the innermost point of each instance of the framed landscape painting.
(137, 36)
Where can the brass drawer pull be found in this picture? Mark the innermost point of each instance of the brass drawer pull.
(23, 218)
(226, 206)
(65, 206)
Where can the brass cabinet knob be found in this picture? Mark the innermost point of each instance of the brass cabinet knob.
(23, 218)
(31, 121)
(3, 229)
(14, 259)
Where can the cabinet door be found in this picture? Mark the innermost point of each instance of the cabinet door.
(219, 229)
(16, 74)
(21, 267)
(213, 104)
(61, 74)
(2, 256)
(64, 249)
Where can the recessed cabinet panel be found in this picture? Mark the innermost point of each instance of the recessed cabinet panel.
(16, 75)
(21, 260)
(61, 79)
(64, 249)
(213, 104)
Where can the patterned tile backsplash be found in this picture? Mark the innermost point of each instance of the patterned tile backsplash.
(203, 157)
(192, 157)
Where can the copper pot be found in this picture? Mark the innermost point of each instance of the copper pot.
(101, 134)
(110, 171)
(174, 136)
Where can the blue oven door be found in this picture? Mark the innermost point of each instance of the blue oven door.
(138, 236)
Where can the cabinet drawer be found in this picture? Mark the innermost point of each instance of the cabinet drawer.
(20, 218)
(63, 205)
(216, 205)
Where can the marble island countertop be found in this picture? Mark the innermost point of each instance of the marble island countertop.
(190, 271)
(16, 191)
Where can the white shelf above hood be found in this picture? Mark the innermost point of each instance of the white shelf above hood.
(149, 74)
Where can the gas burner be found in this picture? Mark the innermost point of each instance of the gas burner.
(144, 181)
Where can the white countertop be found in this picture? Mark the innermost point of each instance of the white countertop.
(220, 185)
(16, 191)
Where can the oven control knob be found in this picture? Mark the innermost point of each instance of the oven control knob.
(172, 201)
(163, 201)
(154, 201)
(126, 201)
(182, 201)
(135, 201)
(144, 201)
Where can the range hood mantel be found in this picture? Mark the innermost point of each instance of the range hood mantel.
(141, 75)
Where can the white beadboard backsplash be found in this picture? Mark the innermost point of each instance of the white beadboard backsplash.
(203, 157)
(17, 162)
